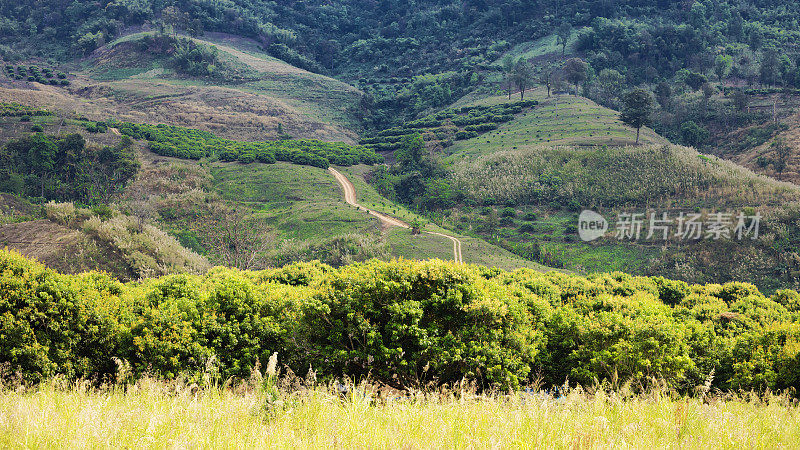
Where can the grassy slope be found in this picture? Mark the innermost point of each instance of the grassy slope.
(315, 97)
(305, 203)
(503, 163)
(301, 202)
(126, 84)
(425, 246)
(558, 120)
(764, 151)
(543, 47)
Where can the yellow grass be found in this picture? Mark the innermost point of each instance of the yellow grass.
(157, 415)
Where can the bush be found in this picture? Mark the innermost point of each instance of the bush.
(61, 213)
(420, 320)
(36, 128)
(148, 251)
(96, 127)
(403, 323)
(51, 324)
(464, 135)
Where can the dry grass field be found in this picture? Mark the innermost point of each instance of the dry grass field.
(151, 414)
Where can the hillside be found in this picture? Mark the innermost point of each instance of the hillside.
(250, 96)
(439, 223)
(521, 183)
(502, 173)
(280, 212)
(560, 119)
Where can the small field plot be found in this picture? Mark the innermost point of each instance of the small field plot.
(558, 120)
(301, 202)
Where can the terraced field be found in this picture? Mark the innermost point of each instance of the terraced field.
(558, 120)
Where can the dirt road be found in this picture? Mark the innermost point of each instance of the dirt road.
(350, 198)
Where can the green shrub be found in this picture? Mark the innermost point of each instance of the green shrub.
(103, 211)
(51, 324)
(402, 323)
(464, 135)
(195, 144)
(788, 299)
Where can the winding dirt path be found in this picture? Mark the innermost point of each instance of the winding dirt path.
(350, 199)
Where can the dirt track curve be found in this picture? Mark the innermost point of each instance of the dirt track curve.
(350, 199)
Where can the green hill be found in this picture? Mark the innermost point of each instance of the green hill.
(246, 95)
(560, 119)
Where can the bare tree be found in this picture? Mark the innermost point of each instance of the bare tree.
(239, 238)
(563, 33)
(139, 204)
(508, 72)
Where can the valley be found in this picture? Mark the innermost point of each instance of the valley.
(348, 213)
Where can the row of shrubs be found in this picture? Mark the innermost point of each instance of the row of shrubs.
(188, 143)
(16, 110)
(33, 73)
(401, 323)
(470, 121)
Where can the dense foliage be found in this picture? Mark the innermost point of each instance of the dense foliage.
(402, 323)
(188, 143)
(413, 57)
(65, 168)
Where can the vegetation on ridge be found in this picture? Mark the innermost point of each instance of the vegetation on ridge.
(180, 142)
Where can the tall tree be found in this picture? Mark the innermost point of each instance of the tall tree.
(609, 84)
(637, 106)
(42, 157)
(523, 76)
(782, 152)
(508, 72)
(722, 66)
(563, 33)
(769, 67)
(575, 71)
(664, 94)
